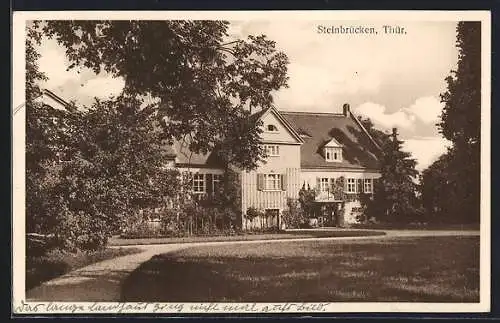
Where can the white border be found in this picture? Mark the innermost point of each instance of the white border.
(18, 123)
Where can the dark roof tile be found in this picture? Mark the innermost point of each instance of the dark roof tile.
(317, 130)
(358, 150)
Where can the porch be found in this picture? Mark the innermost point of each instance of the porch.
(328, 211)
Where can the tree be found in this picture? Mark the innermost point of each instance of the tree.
(115, 168)
(445, 194)
(379, 136)
(461, 124)
(228, 198)
(438, 195)
(307, 197)
(204, 85)
(395, 198)
(204, 89)
(41, 133)
(461, 116)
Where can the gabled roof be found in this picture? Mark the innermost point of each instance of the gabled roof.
(184, 156)
(261, 114)
(359, 150)
(333, 143)
(180, 149)
(331, 129)
(258, 115)
(312, 130)
(58, 99)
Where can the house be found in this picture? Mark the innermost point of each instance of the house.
(305, 149)
(50, 99)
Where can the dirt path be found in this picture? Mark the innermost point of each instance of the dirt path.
(102, 281)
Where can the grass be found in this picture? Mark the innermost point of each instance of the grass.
(438, 269)
(246, 237)
(415, 226)
(56, 263)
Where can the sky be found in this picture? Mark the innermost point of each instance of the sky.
(394, 79)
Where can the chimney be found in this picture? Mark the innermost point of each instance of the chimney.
(394, 134)
(346, 109)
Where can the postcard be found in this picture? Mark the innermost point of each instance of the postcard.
(216, 162)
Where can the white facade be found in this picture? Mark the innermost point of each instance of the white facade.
(261, 189)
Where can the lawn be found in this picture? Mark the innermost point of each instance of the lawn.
(416, 226)
(116, 241)
(437, 269)
(55, 263)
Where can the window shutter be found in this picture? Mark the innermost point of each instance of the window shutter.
(374, 184)
(332, 184)
(260, 182)
(359, 189)
(283, 182)
(318, 183)
(209, 184)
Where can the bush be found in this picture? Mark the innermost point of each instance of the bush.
(38, 245)
(294, 217)
(143, 229)
(253, 213)
(263, 230)
(80, 231)
(187, 220)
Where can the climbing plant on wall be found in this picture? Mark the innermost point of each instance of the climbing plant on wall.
(307, 196)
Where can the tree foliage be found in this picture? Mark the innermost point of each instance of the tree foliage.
(395, 198)
(203, 88)
(436, 191)
(293, 216)
(205, 85)
(307, 197)
(461, 115)
(252, 213)
(450, 193)
(113, 168)
(451, 186)
(380, 137)
(41, 135)
(227, 198)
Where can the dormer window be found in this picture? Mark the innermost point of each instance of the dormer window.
(333, 154)
(271, 128)
(332, 151)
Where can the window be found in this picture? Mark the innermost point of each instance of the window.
(368, 185)
(333, 154)
(216, 182)
(324, 184)
(272, 182)
(199, 183)
(351, 185)
(271, 128)
(272, 150)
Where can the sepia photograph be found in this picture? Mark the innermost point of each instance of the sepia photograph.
(262, 162)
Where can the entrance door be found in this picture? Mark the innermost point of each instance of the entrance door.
(332, 216)
(272, 218)
(327, 215)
